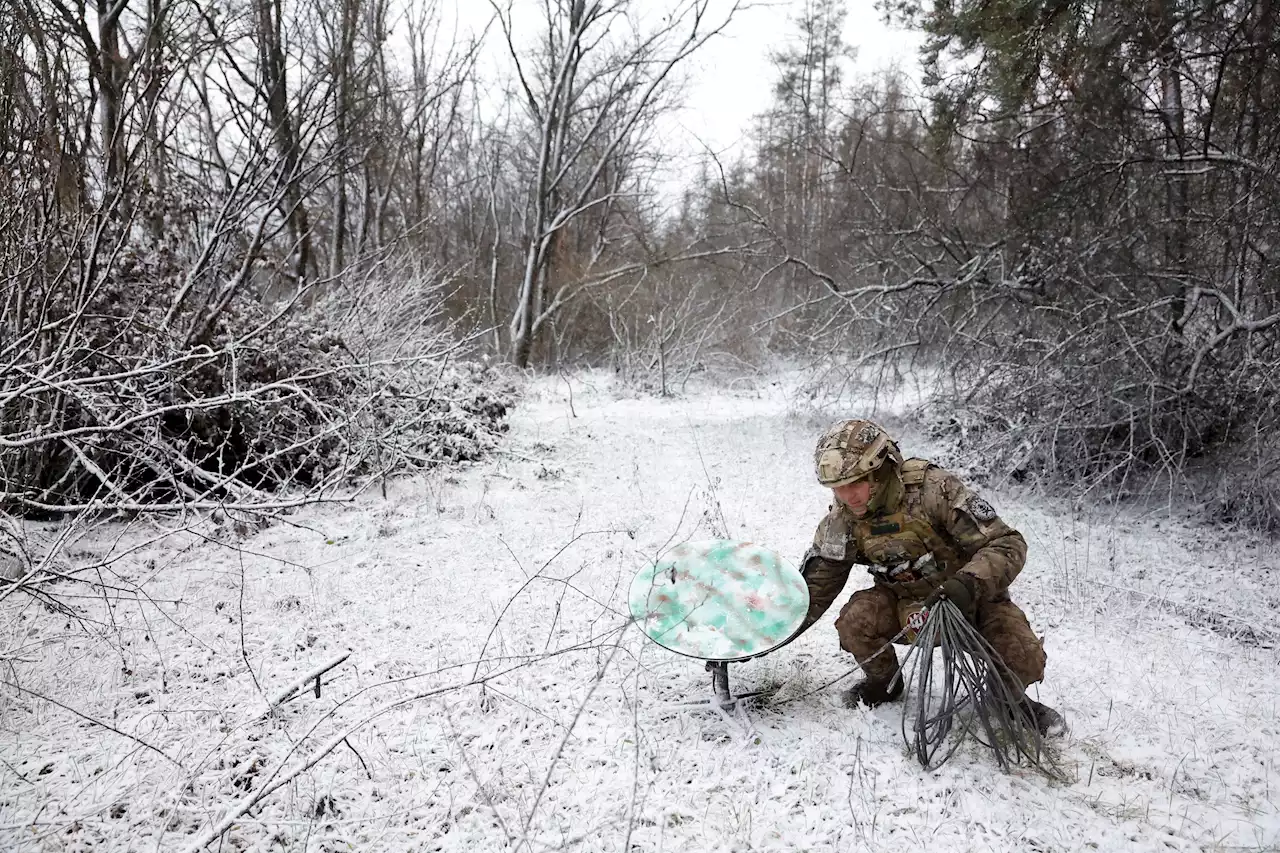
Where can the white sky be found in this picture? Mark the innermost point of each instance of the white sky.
(731, 79)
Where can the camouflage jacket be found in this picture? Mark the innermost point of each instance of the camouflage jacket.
(937, 528)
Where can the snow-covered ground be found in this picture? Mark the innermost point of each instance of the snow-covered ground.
(495, 696)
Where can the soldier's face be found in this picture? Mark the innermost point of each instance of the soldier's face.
(855, 495)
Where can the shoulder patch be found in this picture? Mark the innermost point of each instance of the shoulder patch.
(832, 538)
(979, 509)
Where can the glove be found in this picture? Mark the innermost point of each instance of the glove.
(962, 591)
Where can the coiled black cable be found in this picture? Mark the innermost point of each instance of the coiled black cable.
(976, 694)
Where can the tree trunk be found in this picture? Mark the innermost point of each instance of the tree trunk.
(342, 64)
(111, 94)
(1176, 191)
(275, 91)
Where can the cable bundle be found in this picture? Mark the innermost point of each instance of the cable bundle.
(974, 695)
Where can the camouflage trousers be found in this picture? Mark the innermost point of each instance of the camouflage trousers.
(870, 619)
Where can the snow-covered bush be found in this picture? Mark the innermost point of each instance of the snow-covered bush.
(128, 395)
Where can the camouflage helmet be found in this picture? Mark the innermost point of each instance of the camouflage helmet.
(851, 450)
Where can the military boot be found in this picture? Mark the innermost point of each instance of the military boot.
(1047, 721)
(872, 693)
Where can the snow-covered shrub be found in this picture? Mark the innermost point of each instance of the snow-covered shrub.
(1107, 398)
(130, 395)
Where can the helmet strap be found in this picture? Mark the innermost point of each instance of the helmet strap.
(886, 489)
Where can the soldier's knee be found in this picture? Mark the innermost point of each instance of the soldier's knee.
(1023, 657)
(854, 637)
(1006, 628)
(864, 620)
(1026, 659)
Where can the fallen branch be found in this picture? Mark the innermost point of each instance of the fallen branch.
(289, 692)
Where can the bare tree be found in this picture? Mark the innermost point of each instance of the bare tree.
(167, 339)
(590, 89)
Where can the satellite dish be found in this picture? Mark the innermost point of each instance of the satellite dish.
(719, 600)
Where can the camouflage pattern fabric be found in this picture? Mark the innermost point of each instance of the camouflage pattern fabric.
(870, 619)
(938, 527)
(850, 450)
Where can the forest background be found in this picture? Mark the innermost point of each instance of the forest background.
(248, 246)
(262, 254)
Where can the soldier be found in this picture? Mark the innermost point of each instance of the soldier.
(921, 533)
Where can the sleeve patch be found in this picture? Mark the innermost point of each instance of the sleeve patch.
(832, 539)
(978, 509)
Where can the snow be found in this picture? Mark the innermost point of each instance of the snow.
(496, 697)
